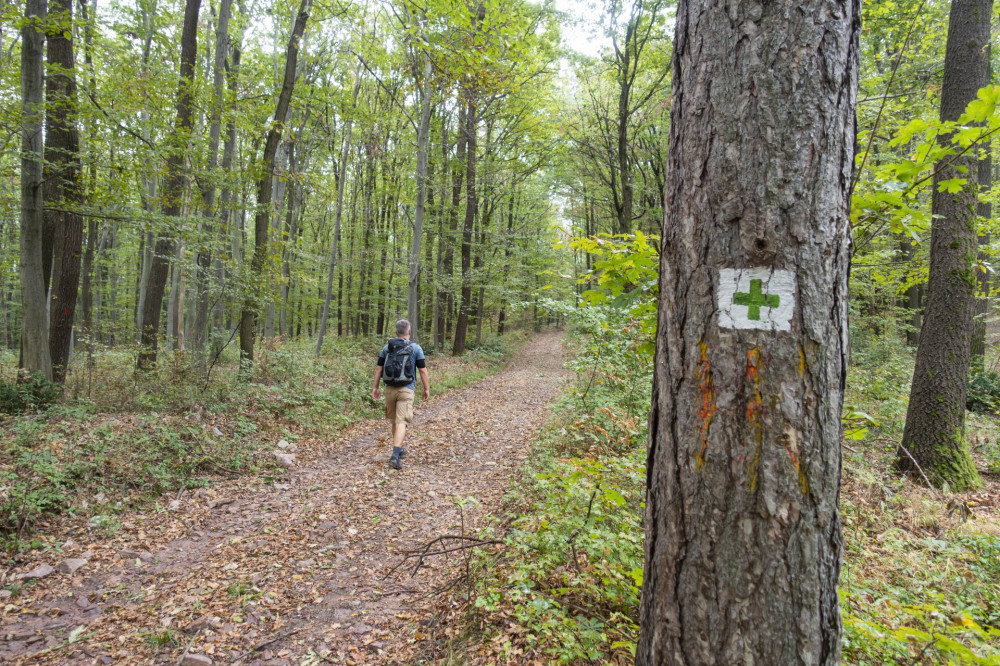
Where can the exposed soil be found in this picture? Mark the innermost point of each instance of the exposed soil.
(295, 570)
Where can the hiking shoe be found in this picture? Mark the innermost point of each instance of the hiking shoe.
(394, 461)
(402, 454)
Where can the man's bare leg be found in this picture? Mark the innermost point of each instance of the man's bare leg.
(398, 433)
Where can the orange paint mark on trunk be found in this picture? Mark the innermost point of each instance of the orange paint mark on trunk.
(754, 407)
(707, 409)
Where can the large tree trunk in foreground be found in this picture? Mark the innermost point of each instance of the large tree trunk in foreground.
(265, 187)
(173, 189)
(743, 533)
(62, 184)
(934, 437)
(35, 356)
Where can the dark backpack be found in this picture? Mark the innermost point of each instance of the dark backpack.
(398, 369)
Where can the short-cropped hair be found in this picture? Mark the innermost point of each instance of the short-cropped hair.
(402, 327)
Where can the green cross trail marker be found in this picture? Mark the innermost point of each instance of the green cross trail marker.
(755, 299)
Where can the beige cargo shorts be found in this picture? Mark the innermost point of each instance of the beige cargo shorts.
(399, 404)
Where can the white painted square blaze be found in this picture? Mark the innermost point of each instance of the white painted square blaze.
(760, 297)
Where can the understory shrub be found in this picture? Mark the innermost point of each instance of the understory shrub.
(983, 396)
(567, 586)
(31, 393)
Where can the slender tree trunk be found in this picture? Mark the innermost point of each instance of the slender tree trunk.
(471, 202)
(62, 184)
(743, 536)
(934, 437)
(984, 210)
(225, 213)
(248, 317)
(35, 355)
(507, 251)
(86, 288)
(345, 154)
(623, 149)
(447, 240)
(173, 191)
(203, 260)
(423, 145)
(913, 297)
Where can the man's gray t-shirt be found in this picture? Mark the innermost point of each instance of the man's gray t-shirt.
(417, 360)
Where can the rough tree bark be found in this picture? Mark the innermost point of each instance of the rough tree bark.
(62, 188)
(934, 437)
(35, 356)
(265, 184)
(743, 533)
(173, 189)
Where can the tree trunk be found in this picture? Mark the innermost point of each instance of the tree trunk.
(203, 260)
(913, 297)
(470, 129)
(624, 221)
(743, 533)
(423, 145)
(62, 184)
(345, 153)
(262, 217)
(984, 210)
(934, 437)
(173, 190)
(35, 355)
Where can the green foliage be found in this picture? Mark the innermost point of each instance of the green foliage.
(983, 396)
(32, 392)
(931, 598)
(567, 587)
(891, 196)
(918, 585)
(624, 279)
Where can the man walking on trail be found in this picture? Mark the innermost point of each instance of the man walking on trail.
(397, 367)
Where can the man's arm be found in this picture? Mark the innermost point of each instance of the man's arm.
(425, 380)
(378, 375)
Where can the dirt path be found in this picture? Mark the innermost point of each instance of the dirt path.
(294, 571)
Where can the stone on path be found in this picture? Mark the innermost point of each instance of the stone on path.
(203, 622)
(196, 660)
(141, 555)
(70, 565)
(41, 571)
(285, 460)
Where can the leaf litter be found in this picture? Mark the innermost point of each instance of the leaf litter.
(295, 570)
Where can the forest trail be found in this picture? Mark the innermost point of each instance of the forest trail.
(295, 571)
